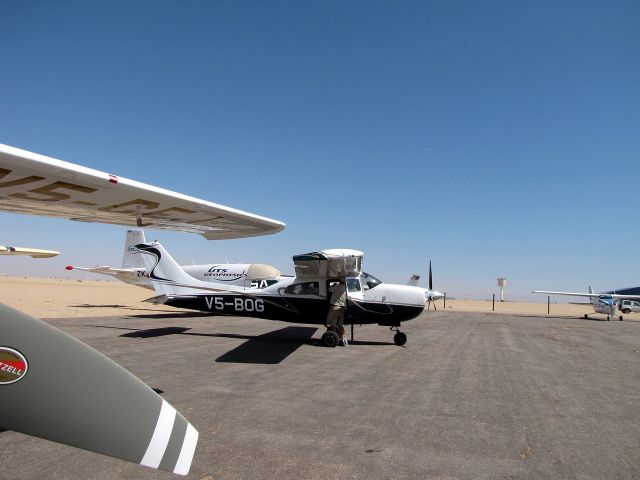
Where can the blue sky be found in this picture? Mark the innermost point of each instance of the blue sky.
(496, 138)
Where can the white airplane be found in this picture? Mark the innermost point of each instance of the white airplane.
(603, 303)
(133, 271)
(96, 405)
(303, 299)
(431, 295)
(32, 252)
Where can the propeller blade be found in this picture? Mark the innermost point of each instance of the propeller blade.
(430, 277)
(55, 387)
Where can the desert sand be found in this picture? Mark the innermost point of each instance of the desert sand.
(63, 298)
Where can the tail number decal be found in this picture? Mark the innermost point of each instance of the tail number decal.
(237, 304)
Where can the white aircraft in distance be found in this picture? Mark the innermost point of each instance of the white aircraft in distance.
(604, 303)
(303, 299)
(32, 252)
(431, 295)
(133, 271)
(96, 405)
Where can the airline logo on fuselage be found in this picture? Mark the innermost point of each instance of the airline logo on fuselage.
(220, 272)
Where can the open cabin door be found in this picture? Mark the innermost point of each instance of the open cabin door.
(327, 266)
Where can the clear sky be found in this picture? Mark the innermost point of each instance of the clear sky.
(496, 138)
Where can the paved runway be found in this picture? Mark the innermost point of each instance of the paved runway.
(470, 396)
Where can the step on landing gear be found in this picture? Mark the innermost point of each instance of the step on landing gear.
(399, 338)
(330, 338)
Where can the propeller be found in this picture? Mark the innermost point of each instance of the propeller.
(430, 277)
(431, 299)
(55, 387)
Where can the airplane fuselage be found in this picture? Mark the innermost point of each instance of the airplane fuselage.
(297, 309)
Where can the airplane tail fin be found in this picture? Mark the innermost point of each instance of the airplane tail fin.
(169, 279)
(590, 289)
(131, 259)
(413, 281)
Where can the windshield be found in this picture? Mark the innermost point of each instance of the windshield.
(369, 281)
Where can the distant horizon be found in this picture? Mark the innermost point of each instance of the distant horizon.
(495, 139)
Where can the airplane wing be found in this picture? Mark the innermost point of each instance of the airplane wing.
(573, 294)
(35, 184)
(55, 387)
(32, 252)
(590, 295)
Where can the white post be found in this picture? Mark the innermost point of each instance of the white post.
(502, 282)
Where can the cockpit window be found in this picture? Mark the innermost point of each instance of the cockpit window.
(369, 281)
(353, 285)
(308, 288)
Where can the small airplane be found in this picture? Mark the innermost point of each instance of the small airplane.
(431, 295)
(603, 303)
(299, 299)
(133, 270)
(32, 252)
(91, 402)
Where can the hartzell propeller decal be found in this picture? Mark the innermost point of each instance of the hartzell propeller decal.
(13, 366)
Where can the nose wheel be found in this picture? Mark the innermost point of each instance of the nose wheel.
(399, 338)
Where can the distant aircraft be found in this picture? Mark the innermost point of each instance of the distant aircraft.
(303, 299)
(55, 387)
(133, 270)
(431, 295)
(32, 252)
(603, 303)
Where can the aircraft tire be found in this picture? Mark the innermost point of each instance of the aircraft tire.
(330, 339)
(586, 316)
(400, 339)
(620, 318)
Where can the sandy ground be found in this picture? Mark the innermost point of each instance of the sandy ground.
(62, 298)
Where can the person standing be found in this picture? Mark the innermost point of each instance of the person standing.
(337, 307)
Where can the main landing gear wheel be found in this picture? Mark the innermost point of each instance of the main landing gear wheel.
(330, 339)
(620, 318)
(400, 338)
(586, 316)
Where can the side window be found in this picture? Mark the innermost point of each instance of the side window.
(353, 285)
(309, 288)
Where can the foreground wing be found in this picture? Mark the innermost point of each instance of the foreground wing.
(32, 252)
(39, 185)
(55, 387)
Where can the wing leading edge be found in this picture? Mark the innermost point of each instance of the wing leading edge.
(38, 185)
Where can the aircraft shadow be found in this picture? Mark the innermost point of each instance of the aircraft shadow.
(155, 332)
(269, 348)
(169, 314)
(367, 342)
(563, 317)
